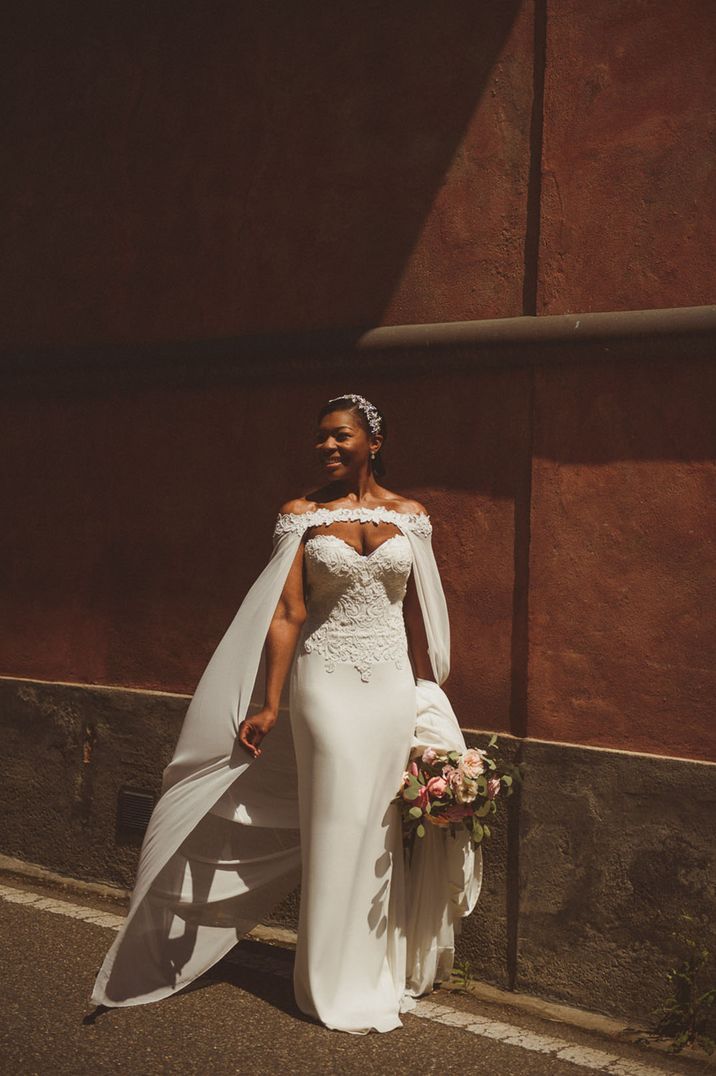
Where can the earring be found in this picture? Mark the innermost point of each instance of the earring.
(372, 455)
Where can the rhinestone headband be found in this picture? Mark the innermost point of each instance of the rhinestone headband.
(368, 409)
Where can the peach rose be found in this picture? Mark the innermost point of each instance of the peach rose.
(472, 763)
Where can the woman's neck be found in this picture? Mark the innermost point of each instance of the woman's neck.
(363, 488)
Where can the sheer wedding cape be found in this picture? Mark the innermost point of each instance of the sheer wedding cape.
(222, 846)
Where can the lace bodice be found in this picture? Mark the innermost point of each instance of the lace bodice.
(355, 602)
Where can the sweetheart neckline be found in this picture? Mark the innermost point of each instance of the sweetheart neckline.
(363, 556)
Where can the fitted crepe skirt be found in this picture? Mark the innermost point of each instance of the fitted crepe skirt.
(352, 739)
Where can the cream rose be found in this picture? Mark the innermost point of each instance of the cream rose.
(472, 763)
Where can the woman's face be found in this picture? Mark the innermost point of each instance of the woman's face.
(342, 444)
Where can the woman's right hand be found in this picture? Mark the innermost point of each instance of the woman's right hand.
(253, 729)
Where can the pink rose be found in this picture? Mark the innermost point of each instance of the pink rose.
(436, 787)
(413, 768)
(493, 787)
(429, 755)
(472, 763)
(421, 800)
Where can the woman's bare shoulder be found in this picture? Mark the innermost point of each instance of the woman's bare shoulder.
(297, 507)
(409, 507)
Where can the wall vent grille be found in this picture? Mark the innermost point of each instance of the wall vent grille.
(134, 808)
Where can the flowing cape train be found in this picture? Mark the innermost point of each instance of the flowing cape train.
(222, 846)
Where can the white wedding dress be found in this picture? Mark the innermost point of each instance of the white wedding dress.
(231, 836)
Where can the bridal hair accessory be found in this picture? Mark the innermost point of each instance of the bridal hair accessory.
(368, 409)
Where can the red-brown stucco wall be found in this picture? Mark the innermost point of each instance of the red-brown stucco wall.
(185, 173)
(623, 556)
(142, 513)
(191, 171)
(141, 518)
(628, 200)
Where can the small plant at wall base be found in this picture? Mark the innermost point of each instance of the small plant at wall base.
(461, 976)
(688, 1016)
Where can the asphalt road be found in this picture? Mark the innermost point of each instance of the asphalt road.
(241, 1018)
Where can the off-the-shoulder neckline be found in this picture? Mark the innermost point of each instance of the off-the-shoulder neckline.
(418, 522)
(356, 508)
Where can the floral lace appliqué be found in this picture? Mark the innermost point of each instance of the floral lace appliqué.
(355, 602)
(298, 522)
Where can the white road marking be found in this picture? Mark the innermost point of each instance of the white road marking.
(584, 1056)
(510, 1034)
(61, 907)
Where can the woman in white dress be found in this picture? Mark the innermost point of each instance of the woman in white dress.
(346, 632)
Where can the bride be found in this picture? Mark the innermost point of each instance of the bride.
(294, 744)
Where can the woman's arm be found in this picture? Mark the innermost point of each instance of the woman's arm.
(281, 640)
(415, 632)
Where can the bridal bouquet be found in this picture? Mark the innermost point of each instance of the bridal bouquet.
(454, 790)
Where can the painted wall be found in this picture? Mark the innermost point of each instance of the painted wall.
(142, 515)
(183, 173)
(142, 512)
(177, 172)
(623, 556)
(628, 186)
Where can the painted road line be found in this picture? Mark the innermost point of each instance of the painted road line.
(510, 1034)
(561, 1049)
(60, 907)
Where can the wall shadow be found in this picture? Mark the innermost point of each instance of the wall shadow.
(180, 170)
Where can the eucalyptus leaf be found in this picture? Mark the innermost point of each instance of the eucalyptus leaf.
(420, 830)
(416, 812)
